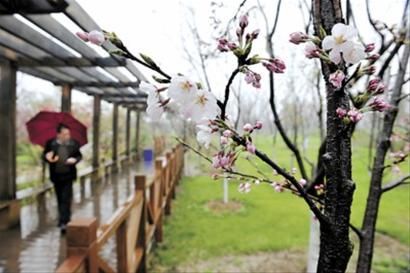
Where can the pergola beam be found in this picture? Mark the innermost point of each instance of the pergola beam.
(101, 84)
(32, 6)
(73, 61)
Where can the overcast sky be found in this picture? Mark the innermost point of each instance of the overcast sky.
(159, 29)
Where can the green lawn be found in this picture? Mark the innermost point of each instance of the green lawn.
(267, 221)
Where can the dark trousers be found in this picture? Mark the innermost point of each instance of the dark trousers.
(64, 194)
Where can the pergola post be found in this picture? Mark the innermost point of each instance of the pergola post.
(66, 98)
(9, 208)
(96, 135)
(137, 134)
(115, 137)
(127, 134)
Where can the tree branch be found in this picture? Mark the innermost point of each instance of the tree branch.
(396, 183)
(227, 91)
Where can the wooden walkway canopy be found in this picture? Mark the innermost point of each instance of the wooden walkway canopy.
(38, 43)
(37, 37)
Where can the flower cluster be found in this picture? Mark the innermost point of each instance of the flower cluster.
(242, 48)
(340, 46)
(192, 101)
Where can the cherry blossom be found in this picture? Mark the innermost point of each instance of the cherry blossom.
(244, 187)
(250, 147)
(354, 115)
(253, 78)
(258, 125)
(182, 89)
(379, 104)
(202, 105)
(204, 135)
(248, 127)
(311, 50)
(298, 37)
(336, 78)
(341, 113)
(341, 41)
(275, 65)
(375, 86)
(154, 108)
(96, 37)
(302, 182)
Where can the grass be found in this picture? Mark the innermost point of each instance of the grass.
(267, 221)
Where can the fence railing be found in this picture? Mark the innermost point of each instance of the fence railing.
(134, 226)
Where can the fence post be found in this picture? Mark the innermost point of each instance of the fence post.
(158, 206)
(121, 244)
(168, 183)
(140, 183)
(81, 239)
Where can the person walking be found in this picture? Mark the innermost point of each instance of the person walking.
(62, 153)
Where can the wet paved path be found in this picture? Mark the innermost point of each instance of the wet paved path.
(36, 246)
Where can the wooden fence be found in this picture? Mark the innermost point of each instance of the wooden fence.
(136, 224)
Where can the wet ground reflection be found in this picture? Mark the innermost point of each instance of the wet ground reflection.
(36, 246)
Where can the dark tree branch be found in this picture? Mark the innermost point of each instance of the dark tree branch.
(227, 92)
(396, 183)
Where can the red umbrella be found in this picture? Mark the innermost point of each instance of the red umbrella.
(42, 127)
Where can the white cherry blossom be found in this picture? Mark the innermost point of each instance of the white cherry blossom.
(202, 105)
(342, 41)
(182, 89)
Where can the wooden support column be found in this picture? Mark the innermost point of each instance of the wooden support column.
(96, 136)
(115, 137)
(66, 98)
(7, 131)
(127, 133)
(137, 134)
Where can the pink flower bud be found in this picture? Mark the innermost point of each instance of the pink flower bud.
(354, 115)
(82, 35)
(253, 78)
(255, 34)
(248, 127)
(258, 125)
(250, 147)
(232, 46)
(298, 37)
(302, 182)
(96, 37)
(369, 48)
(341, 113)
(239, 32)
(223, 45)
(378, 104)
(227, 133)
(373, 57)
(336, 78)
(275, 65)
(311, 50)
(278, 188)
(243, 21)
(375, 86)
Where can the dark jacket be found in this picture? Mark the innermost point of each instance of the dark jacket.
(73, 151)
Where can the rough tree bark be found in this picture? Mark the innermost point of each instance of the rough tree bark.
(376, 189)
(335, 245)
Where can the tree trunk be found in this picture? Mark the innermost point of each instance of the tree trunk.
(375, 192)
(335, 245)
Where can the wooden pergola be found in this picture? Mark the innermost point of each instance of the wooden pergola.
(33, 41)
